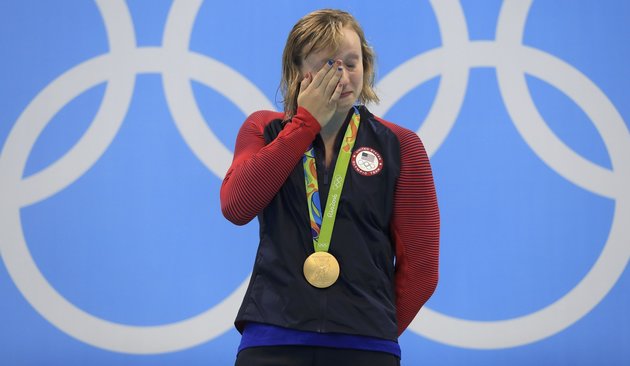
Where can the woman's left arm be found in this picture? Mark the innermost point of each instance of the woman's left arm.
(415, 229)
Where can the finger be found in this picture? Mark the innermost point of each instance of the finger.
(323, 86)
(306, 81)
(336, 94)
(322, 73)
(332, 83)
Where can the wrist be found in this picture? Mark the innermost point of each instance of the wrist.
(306, 119)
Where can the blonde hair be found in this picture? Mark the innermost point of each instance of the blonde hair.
(316, 31)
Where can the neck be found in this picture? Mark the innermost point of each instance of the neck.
(330, 131)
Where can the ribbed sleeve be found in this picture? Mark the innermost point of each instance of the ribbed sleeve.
(258, 169)
(415, 228)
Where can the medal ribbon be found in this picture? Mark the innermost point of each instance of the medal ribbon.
(322, 226)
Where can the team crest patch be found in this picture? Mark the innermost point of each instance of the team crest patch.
(367, 161)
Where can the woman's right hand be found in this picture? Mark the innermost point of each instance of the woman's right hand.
(319, 94)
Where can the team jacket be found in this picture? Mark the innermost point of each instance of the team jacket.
(385, 236)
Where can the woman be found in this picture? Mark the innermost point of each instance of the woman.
(318, 295)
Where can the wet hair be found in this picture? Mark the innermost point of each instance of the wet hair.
(317, 31)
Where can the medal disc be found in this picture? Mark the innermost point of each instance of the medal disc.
(321, 269)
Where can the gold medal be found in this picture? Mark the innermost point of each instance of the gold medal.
(321, 269)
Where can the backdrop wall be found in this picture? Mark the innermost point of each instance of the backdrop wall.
(118, 120)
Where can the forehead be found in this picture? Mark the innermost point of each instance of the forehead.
(349, 47)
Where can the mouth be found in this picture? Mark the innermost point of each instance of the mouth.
(345, 94)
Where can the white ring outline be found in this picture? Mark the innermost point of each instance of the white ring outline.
(118, 67)
(511, 59)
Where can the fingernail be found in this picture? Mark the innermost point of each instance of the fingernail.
(330, 62)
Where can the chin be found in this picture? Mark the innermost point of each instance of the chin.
(344, 109)
(345, 104)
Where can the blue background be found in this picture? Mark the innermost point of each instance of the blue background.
(139, 239)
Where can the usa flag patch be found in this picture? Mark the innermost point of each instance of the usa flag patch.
(367, 161)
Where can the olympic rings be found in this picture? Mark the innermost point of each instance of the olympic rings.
(179, 65)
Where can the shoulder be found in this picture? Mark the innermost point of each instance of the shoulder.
(264, 117)
(406, 138)
(259, 121)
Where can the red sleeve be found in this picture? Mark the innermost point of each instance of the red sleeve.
(415, 229)
(258, 169)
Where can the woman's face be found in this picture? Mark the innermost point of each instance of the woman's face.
(351, 58)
